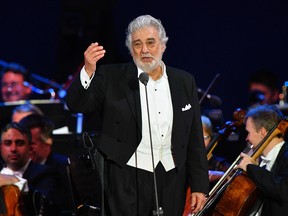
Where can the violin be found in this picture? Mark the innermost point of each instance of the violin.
(235, 193)
(11, 203)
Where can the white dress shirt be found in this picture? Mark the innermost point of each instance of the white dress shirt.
(161, 119)
(22, 183)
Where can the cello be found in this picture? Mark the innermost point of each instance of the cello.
(223, 133)
(236, 193)
(11, 203)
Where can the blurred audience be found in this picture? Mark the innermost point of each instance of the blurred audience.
(13, 83)
(38, 183)
(263, 88)
(24, 110)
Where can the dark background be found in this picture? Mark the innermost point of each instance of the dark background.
(232, 38)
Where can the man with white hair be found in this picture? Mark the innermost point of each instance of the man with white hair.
(179, 155)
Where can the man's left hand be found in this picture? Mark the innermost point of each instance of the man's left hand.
(198, 201)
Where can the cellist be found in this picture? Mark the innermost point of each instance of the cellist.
(270, 173)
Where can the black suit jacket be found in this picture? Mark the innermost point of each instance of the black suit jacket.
(114, 92)
(43, 179)
(43, 192)
(66, 192)
(273, 185)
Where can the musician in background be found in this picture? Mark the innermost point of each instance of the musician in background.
(13, 88)
(271, 174)
(41, 129)
(216, 165)
(24, 110)
(263, 86)
(34, 180)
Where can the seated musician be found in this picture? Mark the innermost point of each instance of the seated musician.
(35, 181)
(271, 174)
(41, 128)
(16, 85)
(21, 111)
(217, 165)
(13, 88)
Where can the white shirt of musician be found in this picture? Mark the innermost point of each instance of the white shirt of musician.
(22, 183)
(269, 161)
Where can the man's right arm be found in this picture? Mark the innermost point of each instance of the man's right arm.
(91, 56)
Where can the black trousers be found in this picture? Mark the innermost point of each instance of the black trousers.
(130, 191)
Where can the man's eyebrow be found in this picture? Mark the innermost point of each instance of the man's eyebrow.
(136, 40)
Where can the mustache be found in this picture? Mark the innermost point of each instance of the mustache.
(13, 155)
(147, 56)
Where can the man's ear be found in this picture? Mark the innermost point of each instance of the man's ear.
(29, 89)
(263, 132)
(163, 48)
(49, 141)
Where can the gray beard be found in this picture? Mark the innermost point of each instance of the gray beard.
(148, 67)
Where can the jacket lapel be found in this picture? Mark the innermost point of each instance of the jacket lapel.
(130, 86)
(176, 92)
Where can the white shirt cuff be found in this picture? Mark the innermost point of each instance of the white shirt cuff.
(85, 79)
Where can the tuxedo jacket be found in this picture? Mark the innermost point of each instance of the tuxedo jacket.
(55, 160)
(273, 185)
(114, 92)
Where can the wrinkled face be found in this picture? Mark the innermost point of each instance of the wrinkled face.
(147, 50)
(15, 149)
(253, 137)
(270, 97)
(13, 88)
(39, 147)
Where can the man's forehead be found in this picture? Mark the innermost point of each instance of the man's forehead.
(145, 33)
(14, 74)
(13, 133)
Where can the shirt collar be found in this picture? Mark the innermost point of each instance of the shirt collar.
(18, 172)
(272, 154)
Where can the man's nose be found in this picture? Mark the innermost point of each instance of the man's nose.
(144, 48)
(13, 147)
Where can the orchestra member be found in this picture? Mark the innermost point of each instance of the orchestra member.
(271, 174)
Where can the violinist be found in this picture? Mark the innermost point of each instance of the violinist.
(270, 173)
